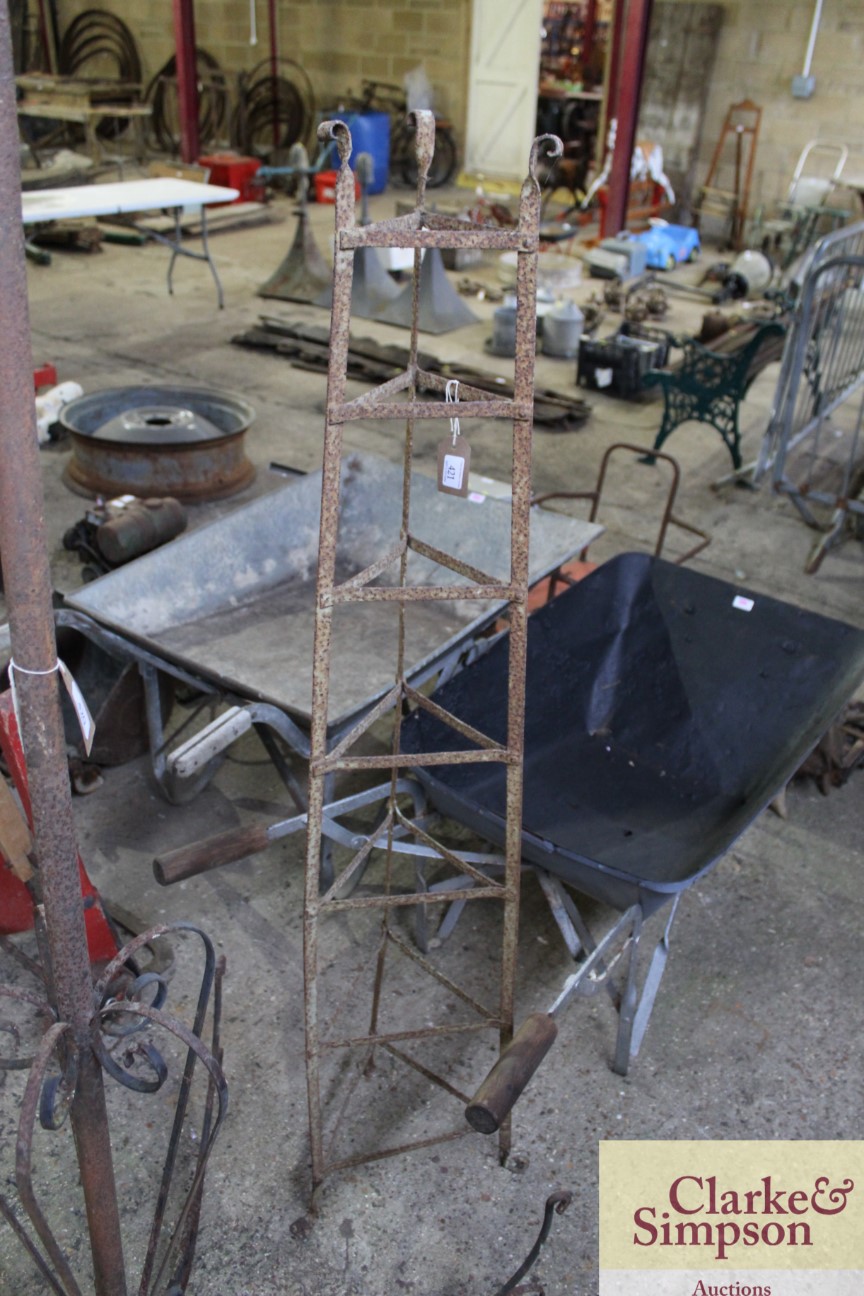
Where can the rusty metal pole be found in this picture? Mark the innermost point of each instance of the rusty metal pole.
(187, 78)
(28, 596)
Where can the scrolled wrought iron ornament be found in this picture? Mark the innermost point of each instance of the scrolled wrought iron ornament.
(128, 1008)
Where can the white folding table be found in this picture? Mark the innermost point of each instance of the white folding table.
(158, 193)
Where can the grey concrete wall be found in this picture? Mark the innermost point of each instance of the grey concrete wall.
(681, 55)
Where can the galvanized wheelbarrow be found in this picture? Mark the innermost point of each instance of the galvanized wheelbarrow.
(228, 610)
(664, 710)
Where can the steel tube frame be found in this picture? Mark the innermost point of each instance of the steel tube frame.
(28, 595)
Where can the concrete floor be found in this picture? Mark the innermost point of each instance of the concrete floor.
(757, 1033)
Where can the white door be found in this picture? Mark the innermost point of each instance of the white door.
(502, 92)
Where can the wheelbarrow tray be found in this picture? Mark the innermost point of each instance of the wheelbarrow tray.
(233, 602)
(664, 710)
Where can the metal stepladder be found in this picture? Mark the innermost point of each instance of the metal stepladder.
(399, 841)
(733, 166)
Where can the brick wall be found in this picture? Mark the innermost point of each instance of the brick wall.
(338, 42)
(761, 47)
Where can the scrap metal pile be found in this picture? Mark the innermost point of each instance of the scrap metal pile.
(308, 346)
(840, 751)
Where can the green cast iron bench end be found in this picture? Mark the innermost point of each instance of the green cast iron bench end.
(709, 385)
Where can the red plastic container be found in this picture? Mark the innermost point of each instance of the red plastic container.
(325, 187)
(44, 376)
(235, 172)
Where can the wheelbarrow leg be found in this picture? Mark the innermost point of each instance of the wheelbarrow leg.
(282, 766)
(629, 1000)
(175, 791)
(633, 1008)
(493, 1101)
(656, 969)
(567, 917)
(574, 930)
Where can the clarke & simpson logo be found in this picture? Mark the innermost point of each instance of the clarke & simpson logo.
(731, 1218)
(755, 1215)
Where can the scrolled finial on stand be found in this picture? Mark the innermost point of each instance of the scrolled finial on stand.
(424, 145)
(554, 150)
(338, 132)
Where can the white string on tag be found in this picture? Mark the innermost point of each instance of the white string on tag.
(86, 722)
(454, 452)
(451, 395)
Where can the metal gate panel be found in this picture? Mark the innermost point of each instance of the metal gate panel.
(799, 406)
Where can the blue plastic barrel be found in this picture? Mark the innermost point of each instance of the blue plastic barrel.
(370, 133)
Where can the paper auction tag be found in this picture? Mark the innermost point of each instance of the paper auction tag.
(82, 711)
(76, 697)
(454, 462)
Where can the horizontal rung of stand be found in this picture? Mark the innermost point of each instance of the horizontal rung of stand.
(401, 1037)
(503, 240)
(367, 1158)
(380, 403)
(398, 760)
(415, 594)
(407, 899)
(404, 692)
(500, 407)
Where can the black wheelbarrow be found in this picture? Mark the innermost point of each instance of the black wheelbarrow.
(664, 710)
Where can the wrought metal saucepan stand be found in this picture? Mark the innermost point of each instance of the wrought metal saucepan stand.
(397, 399)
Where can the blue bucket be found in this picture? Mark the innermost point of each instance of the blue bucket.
(370, 133)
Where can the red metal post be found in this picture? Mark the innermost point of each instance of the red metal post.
(629, 65)
(187, 78)
(273, 19)
(27, 580)
(589, 33)
(613, 60)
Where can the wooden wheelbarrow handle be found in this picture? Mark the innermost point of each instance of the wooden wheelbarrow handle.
(209, 853)
(507, 1080)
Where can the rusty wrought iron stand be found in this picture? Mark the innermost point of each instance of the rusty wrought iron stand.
(82, 1023)
(398, 400)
